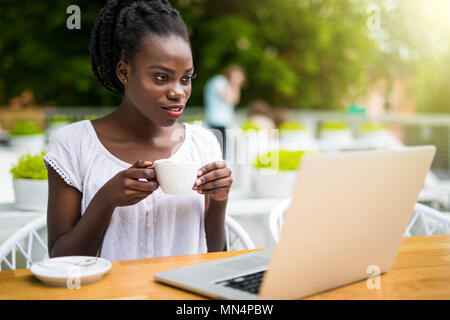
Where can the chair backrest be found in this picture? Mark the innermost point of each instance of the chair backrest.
(236, 237)
(435, 191)
(27, 242)
(276, 219)
(431, 180)
(427, 221)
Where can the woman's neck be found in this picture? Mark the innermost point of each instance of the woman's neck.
(131, 123)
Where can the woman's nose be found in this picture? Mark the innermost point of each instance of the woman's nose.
(176, 93)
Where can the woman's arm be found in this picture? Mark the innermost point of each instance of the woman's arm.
(215, 224)
(214, 181)
(232, 95)
(69, 232)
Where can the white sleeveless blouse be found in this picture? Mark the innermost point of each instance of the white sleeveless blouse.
(159, 225)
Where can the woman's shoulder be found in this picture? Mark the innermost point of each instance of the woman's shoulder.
(71, 133)
(65, 152)
(74, 127)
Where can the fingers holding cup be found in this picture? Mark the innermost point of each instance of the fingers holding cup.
(214, 180)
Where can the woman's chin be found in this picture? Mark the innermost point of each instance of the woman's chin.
(164, 122)
(168, 122)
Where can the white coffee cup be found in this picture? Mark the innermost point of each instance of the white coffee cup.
(176, 177)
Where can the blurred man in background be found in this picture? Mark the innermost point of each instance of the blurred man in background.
(222, 94)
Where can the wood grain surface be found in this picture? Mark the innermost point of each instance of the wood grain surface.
(421, 271)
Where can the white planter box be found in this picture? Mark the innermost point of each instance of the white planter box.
(242, 176)
(376, 139)
(335, 139)
(249, 145)
(274, 184)
(242, 150)
(298, 140)
(31, 194)
(32, 143)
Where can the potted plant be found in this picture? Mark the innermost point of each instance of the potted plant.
(374, 135)
(244, 145)
(27, 136)
(335, 135)
(371, 129)
(276, 172)
(296, 136)
(248, 125)
(30, 182)
(257, 139)
(58, 120)
(333, 126)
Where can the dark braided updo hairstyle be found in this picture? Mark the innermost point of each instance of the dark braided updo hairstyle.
(118, 32)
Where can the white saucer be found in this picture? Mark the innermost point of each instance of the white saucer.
(64, 271)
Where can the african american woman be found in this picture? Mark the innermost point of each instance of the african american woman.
(104, 199)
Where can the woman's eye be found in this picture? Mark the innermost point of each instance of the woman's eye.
(161, 77)
(188, 79)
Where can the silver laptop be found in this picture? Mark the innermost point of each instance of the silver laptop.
(349, 211)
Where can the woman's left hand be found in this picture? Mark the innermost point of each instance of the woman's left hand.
(214, 180)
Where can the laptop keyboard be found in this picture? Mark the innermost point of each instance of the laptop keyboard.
(250, 282)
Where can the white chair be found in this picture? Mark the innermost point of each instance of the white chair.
(427, 221)
(22, 242)
(236, 237)
(276, 219)
(436, 192)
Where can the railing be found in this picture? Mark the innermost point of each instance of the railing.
(411, 129)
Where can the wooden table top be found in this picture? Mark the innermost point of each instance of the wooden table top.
(421, 271)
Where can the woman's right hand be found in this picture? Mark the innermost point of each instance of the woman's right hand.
(125, 189)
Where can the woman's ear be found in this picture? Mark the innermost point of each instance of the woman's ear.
(123, 71)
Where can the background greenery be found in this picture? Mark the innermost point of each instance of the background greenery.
(314, 54)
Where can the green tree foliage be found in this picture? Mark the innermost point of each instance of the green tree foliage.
(414, 42)
(311, 54)
(38, 52)
(433, 85)
(299, 54)
(302, 53)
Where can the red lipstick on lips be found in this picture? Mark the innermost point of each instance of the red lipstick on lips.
(175, 111)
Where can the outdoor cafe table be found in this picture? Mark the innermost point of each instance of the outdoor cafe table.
(421, 271)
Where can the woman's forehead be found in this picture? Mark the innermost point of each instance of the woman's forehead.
(173, 51)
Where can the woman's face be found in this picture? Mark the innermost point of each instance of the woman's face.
(159, 79)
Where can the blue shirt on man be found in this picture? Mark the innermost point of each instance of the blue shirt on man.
(219, 112)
